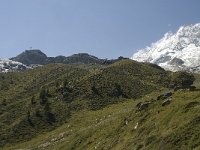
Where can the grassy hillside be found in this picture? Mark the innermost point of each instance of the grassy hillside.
(122, 126)
(71, 105)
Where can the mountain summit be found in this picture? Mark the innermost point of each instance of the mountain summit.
(29, 57)
(175, 52)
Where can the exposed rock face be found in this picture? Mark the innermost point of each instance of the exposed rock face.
(175, 52)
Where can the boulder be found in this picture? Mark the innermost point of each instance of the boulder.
(164, 96)
(192, 88)
(166, 102)
(138, 105)
(141, 106)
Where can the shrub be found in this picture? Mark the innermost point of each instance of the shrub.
(181, 80)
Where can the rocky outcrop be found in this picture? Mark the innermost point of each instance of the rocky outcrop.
(164, 96)
(141, 106)
(166, 102)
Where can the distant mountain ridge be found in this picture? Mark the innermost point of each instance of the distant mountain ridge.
(33, 58)
(175, 52)
(29, 57)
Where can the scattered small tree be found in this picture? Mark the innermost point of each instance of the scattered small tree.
(29, 118)
(29, 115)
(94, 90)
(49, 115)
(117, 90)
(65, 83)
(33, 100)
(43, 96)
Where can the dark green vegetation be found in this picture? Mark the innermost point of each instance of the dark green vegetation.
(61, 106)
(31, 57)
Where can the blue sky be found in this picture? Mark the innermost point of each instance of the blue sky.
(105, 28)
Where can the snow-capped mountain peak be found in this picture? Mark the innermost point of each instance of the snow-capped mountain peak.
(179, 51)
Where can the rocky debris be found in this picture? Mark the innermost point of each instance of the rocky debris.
(55, 140)
(177, 88)
(164, 96)
(126, 122)
(138, 105)
(136, 126)
(141, 106)
(166, 102)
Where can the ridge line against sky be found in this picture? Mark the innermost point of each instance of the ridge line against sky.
(105, 28)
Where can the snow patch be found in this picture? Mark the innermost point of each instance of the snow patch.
(7, 65)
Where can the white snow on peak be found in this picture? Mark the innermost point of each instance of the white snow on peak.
(175, 52)
(7, 65)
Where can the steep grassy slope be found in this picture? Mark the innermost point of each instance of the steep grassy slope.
(22, 112)
(41, 100)
(122, 126)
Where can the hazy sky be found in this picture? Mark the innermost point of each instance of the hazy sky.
(105, 28)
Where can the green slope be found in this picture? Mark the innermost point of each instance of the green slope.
(73, 104)
(175, 126)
